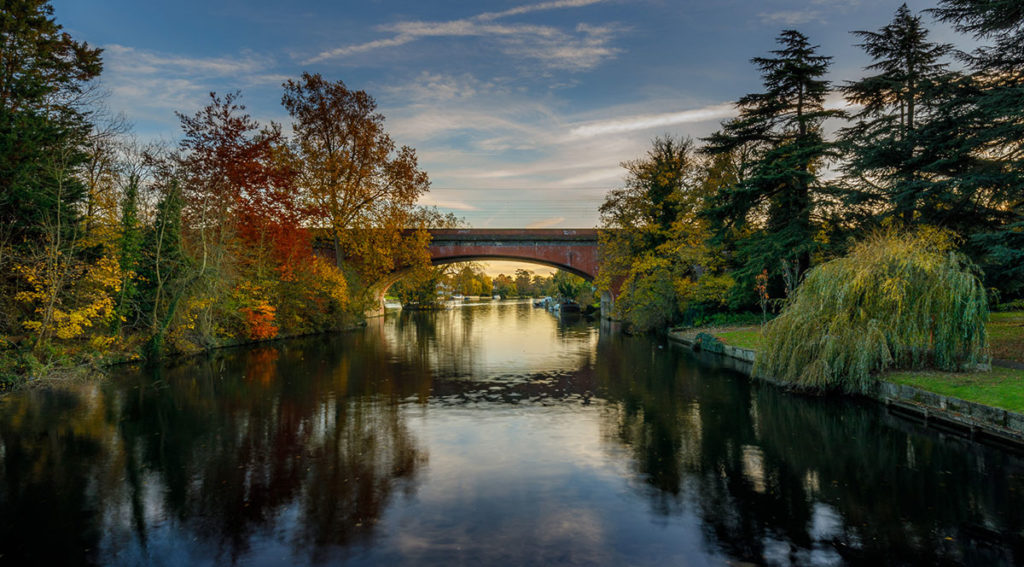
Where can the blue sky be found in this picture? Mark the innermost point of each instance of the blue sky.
(520, 111)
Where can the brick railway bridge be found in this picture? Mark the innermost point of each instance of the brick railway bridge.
(573, 250)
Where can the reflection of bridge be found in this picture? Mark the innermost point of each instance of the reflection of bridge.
(571, 249)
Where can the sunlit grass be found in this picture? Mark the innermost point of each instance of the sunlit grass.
(743, 337)
(1000, 387)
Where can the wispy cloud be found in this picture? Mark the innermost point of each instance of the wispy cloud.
(129, 59)
(645, 122)
(546, 223)
(791, 17)
(554, 5)
(581, 48)
(150, 85)
(431, 200)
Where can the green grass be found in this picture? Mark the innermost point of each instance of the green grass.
(1006, 335)
(743, 337)
(1001, 388)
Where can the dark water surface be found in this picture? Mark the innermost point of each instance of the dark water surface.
(490, 434)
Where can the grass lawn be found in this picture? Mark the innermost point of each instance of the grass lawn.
(743, 337)
(1006, 335)
(1002, 387)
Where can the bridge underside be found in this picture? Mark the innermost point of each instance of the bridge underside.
(528, 260)
(571, 250)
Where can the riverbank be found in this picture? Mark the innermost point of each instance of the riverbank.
(95, 367)
(987, 402)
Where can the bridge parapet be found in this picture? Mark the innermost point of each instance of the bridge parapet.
(573, 250)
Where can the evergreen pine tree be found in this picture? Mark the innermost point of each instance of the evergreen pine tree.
(164, 268)
(42, 131)
(987, 130)
(130, 247)
(887, 153)
(774, 206)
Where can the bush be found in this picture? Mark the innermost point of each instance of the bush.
(899, 301)
(1015, 305)
(648, 298)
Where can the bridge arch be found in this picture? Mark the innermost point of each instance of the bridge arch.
(526, 260)
(572, 250)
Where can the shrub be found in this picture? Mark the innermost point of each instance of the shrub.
(894, 301)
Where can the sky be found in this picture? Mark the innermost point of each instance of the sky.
(521, 111)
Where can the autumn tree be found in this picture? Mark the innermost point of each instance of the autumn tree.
(43, 129)
(362, 185)
(653, 242)
(239, 205)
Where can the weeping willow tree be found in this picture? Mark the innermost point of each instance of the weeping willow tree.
(896, 301)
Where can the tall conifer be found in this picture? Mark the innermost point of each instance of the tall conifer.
(780, 129)
(888, 153)
(988, 133)
(42, 130)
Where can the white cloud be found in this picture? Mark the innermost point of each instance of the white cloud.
(602, 176)
(431, 200)
(150, 85)
(556, 4)
(646, 122)
(546, 223)
(583, 48)
(791, 17)
(123, 59)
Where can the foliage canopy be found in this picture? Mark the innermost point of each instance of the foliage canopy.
(896, 300)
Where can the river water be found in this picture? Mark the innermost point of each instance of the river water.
(487, 434)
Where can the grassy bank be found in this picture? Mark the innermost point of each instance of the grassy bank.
(1001, 387)
(1006, 335)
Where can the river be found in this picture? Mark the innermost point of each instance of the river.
(490, 434)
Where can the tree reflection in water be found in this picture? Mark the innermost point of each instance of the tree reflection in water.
(316, 449)
(224, 447)
(782, 478)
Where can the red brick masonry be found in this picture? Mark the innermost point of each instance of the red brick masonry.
(573, 250)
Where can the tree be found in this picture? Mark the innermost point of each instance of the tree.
(781, 129)
(505, 286)
(363, 187)
(240, 208)
(661, 270)
(985, 137)
(654, 194)
(896, 300)
(228, 165)
(43, 71)
(638, 217)
(166, 270)
(888, 155)
(571, 287)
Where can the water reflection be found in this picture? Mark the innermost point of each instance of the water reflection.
(783, 479)
(493, 434)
